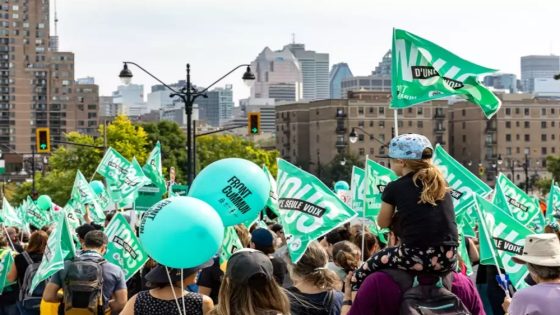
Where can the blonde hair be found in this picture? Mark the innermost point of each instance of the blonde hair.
(434, 186)
(311, 268)
(257, 298)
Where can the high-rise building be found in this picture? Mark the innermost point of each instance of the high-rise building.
(503, 81)
(277, 73)
(339, 72)
(217, 107)
(315, 71)
(265, 106)
(159, 96)
(379, 80)
(131, 99)
(37, 85)
(535, 67)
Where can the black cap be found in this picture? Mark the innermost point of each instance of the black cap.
(159, 273)
(246, 264)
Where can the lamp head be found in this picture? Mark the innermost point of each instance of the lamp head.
(353, 137)
(248, 77)
(125, 75)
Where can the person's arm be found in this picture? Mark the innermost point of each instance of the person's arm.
(474, 256)
(51, 293)
(385, 216)
(129, 307)
(12, 274)
(347, 294)
(204, 290)
(118, 301)
(207, 304)
(506, 303)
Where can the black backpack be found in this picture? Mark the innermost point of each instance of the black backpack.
(435, 298)
(83, 286)
(31, 300)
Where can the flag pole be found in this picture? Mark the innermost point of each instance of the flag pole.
(396, 122)
(491, 246)
(364, 207)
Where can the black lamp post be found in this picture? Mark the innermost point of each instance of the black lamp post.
(526, 169)
(353, 137)
(188, 95)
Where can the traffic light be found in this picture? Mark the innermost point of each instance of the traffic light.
(254, 123)
(43, 140)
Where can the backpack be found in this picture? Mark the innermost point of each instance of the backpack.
(83, 286)
(31, 300)
(427, 299)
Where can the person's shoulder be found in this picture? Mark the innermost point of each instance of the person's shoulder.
(112, 269)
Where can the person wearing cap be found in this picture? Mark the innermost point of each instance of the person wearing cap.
(168, 296)
(541, 254)
(263, 240)
(420, 205)
(114, 284)
(249, 287)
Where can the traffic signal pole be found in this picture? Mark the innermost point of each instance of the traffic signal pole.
(33, 191)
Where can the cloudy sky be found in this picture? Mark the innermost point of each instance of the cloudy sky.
(216, 35)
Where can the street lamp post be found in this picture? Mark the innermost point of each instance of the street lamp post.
(526, 169)
(188, 95)
(353, 137)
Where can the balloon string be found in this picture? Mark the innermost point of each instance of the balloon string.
(183, 292)
(173, 290)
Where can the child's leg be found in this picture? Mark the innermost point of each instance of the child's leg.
(389, 257)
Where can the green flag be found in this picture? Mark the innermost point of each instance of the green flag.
(6, 261)
(153, 169)
(134, 180)
(103, 199)
(124, 249)
(513, 199)
(34, 215)
(72, 216)
(230, 245)
(60, 247)
(272, 202)
(377, 177)
(114, 167)
(308, 208)
(8, 215)
(462, 249)
(464, 184)
(423, 71)
(501, 238)
(83, 195)
(553, 204)
(357, 189)
(465, 222)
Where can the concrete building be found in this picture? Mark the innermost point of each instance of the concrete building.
(546, 87)
(278, 75)
(313, 133)
(507, 82)
(217, 107)
(130, 99)
(159, 95)
(523, 123)
(315, 71)
(267, 109)
(339, 72)
(534, 67)
(379, 80)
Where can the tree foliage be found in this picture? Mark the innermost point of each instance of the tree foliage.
(173, 142)
(334, 171)
(553, 166)
(122, 135)
(215, 147)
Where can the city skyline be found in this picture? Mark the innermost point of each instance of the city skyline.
(215, 36)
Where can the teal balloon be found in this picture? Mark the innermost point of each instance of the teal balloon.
(181, 232)
(236, 188)
(44, 202)
(341, 185)
(97, 187)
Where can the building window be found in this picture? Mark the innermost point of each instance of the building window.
(552, 111)
(552, 124)
(371, 110)
(360, 123)
(508, 151)
(517, 124)
(410, 123)
(517, 137)
(543, 124)
(360, 110)
(517, 111)
(543, 137)
(552, 137)
(508, 111)
(464, 125)
(517, 150)
(362, 151)
(508, 138)
(553, 150)
(361, 137)
(419, 111)
(400, 124)
(464, 113)
(371, 123)
(508, 124)
(399, 112)
(543, 151)
(464, 138)
(381, 124)
(543, 111)
(527, 138)
(381, 110)
(371, 151)
(420, 124)
(526, 111)
(409, 110)
(527, 124)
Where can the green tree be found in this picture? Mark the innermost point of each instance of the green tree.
(122, 135)
(553, 166)
(335, 171)
(215, 147)
(173, 142)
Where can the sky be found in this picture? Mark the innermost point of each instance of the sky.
(214, 36)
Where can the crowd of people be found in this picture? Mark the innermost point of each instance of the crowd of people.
(350, 270)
